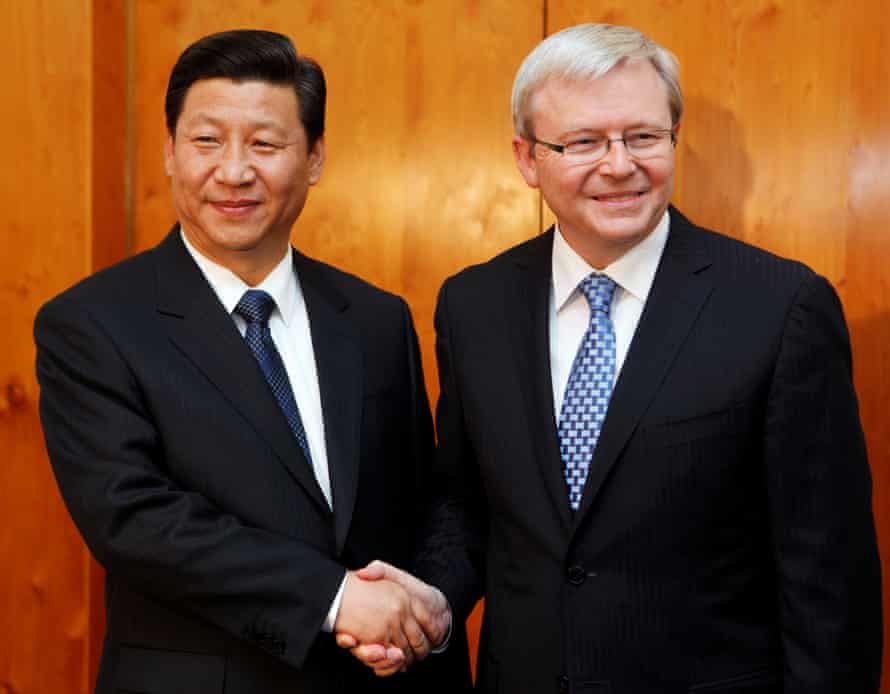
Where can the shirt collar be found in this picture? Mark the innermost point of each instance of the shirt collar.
(634, 271)
(280, 284)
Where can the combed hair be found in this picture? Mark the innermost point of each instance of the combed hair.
(586, 52)
(249, 54)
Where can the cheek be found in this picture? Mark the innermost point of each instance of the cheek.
(661, 174)
(568, 184)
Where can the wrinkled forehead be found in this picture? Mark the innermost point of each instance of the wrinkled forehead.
(630, 90)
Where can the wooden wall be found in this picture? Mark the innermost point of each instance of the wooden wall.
(785, 143)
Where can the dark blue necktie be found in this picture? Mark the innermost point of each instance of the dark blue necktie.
(255, 307)
(589, 387)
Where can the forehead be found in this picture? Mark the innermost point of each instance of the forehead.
(227, 102)
(629, 94)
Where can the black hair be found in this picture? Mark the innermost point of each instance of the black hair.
(250, 54)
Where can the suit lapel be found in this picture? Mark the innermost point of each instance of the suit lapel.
(338, 360)
(202, 329)
(682, 285)
(528, 310)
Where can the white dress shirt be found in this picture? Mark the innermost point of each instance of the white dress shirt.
(633, 274)
(291, 332)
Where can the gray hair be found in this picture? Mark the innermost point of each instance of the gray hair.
(586, 52)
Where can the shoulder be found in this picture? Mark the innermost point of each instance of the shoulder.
(341, 288)
(122, 286)
(534, 253)
(737, 263)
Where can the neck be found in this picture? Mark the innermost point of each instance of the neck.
(250, 265)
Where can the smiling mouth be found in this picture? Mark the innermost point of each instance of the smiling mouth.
(234, 203)
(620, 197)
(234, 208)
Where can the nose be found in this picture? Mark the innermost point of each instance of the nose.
(234, 167)
(617, 162)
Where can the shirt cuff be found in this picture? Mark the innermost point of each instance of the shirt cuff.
(331, 620)
(442, 647)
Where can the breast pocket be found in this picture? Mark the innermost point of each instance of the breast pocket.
(675, 431)
(760, 682)
(157, 671)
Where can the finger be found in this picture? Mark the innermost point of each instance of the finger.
(432, 615)
(395, 655)
(417, 640)
(373, 653)
(388, 670)
(346, 640)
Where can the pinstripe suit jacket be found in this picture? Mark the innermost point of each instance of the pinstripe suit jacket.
(725, 539)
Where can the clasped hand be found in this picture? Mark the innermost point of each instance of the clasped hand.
(389, 619)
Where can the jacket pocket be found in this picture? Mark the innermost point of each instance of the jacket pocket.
(158, 671)
(758, 682)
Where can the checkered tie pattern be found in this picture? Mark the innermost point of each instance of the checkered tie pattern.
(255, 307)
(589, 387)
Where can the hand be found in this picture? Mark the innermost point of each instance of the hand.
(429, 607)
(379, 612)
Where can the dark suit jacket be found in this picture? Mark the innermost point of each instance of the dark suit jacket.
(181, 473)
(725, 540)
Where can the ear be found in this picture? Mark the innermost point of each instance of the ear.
(316, 161)
(525, 160)
(676, 130)
(168, 155)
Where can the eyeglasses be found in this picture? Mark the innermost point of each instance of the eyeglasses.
(640, 144)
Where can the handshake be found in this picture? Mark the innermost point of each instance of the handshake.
(389, 619)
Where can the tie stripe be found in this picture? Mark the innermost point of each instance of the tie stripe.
(255, 307)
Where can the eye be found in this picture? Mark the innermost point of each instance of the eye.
(205, 140)
(582, 145)
(266, 146)
(643, 138)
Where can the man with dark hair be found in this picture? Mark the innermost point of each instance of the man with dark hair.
(235, 427)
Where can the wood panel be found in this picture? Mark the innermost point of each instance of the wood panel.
(420, 179)
(46, 191)
(786, 144)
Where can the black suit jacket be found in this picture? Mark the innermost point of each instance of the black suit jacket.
(725, 540)
(187, 484)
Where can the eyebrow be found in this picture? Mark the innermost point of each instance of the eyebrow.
(202, 118)
(639, 125)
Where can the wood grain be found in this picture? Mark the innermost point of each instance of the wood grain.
(46, 192)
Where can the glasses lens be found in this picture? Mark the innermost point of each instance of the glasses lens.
(645, 143)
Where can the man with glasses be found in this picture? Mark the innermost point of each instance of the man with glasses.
(649, 446)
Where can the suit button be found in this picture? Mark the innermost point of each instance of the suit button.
(562, 684)
(576, 575)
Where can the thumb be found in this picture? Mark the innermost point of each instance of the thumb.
(375, 571)
(346, 640)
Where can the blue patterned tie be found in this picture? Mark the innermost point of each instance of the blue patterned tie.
(255, 307)
(589, 387)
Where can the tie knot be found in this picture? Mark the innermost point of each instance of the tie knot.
(598, 290)
(255, 306)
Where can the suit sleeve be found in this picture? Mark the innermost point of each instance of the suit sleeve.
(819, 490)
(150, 530)
(448, 670)
(453, 554)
